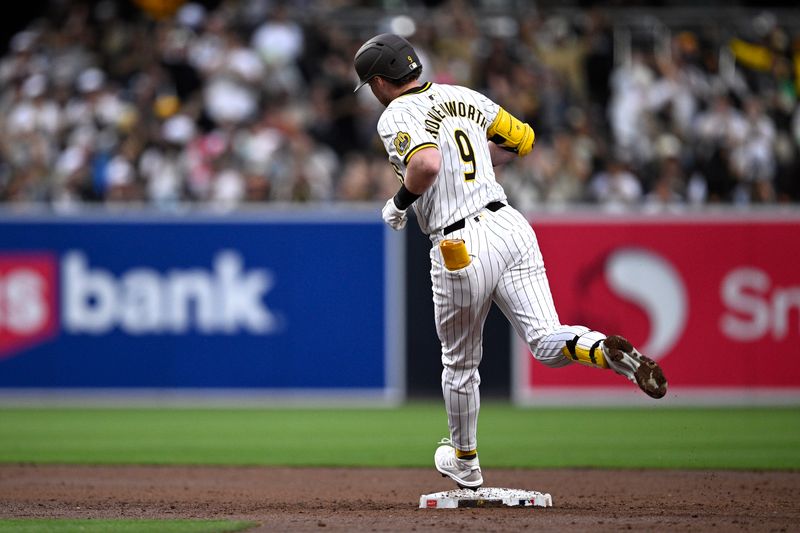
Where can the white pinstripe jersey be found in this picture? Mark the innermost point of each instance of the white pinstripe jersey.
(453, 119)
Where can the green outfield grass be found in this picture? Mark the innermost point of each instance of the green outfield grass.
(698, 438)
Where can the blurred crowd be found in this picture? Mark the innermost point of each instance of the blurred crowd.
(252, 101)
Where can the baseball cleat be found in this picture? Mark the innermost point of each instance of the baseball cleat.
(465, 472)
(626, 360)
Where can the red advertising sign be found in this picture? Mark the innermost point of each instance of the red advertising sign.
(715, 300)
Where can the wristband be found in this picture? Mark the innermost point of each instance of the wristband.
(404, 198)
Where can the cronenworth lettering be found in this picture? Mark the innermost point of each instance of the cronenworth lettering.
(144, 301)
(439, 112)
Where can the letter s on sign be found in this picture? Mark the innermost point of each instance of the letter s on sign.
(742, 291)
(22, 298)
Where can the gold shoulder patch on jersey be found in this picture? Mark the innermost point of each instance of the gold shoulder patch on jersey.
(401, 142)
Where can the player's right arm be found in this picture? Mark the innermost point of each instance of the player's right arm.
(499, 155)
(507, 136)
(511, 134)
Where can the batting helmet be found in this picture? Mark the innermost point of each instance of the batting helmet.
(386, 55)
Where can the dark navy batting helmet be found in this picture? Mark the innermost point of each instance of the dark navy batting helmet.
(387, 55)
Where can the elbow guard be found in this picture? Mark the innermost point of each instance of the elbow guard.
(511, 134)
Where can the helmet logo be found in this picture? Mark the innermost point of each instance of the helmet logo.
(411, 63)
(401, 143)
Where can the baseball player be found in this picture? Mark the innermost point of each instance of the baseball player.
(443, 142)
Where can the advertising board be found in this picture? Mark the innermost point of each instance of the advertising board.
(714, 298)
(290, 305)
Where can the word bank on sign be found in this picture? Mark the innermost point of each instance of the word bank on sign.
(35, 301)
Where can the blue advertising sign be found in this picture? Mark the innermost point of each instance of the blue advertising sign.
(287, 302)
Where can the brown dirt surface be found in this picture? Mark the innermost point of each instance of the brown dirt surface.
(371, 499)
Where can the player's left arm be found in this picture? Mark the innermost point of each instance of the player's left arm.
(422, 170)
(414, 155)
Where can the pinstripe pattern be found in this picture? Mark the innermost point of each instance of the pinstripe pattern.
(507, 266)
(451, 198)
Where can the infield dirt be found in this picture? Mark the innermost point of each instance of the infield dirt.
(369, 499)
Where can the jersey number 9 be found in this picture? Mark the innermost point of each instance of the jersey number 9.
(467, 154)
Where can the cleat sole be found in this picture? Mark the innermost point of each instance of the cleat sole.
(648, 376)
(615, 342)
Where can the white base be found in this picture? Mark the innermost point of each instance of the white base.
(484, 497)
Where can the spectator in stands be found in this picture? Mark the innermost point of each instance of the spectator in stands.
(615, 186)
(253, 102)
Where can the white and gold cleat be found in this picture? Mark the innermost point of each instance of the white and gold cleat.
(465, 472)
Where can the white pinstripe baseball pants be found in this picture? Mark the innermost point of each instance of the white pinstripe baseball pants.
(507, 268)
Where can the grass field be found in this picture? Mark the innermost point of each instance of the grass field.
(694, 438)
